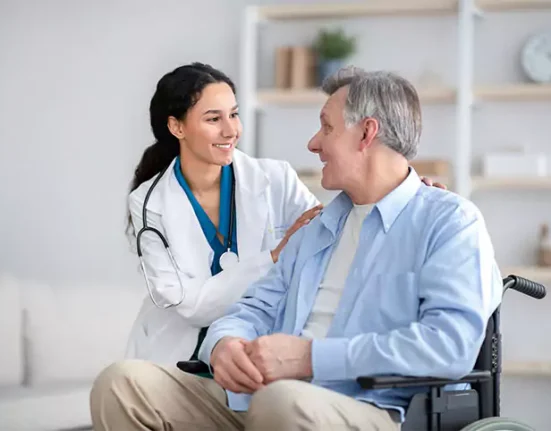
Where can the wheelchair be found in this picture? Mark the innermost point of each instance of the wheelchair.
(440, 409)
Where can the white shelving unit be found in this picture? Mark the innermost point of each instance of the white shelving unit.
(464, 95)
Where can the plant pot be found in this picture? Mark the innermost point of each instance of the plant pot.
(327, 68)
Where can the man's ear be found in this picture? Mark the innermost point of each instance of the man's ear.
(370, 129)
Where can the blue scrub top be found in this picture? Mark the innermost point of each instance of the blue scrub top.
(224, 217)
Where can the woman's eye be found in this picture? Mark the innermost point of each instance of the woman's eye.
(213, 119)
(235, 114)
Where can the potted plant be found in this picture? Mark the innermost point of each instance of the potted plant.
(332, 48)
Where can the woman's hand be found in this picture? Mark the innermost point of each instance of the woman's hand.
(303, 220)
(428, 182)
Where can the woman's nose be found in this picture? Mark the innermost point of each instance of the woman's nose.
(229, 130)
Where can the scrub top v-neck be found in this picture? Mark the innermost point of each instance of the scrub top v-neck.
(209, 230)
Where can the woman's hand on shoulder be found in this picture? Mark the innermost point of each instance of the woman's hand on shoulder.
(428, 181)
(303, 220)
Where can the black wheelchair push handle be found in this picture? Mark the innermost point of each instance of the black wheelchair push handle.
(523, 285)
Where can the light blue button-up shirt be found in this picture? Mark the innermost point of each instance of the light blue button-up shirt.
(419, 293)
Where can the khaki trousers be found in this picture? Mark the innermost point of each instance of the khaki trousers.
(138, 395)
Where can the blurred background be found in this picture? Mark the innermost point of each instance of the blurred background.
(76, 78)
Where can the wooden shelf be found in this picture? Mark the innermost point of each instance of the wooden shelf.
(506, 5)
(514, 92)
(536, 183)
(390, 7)
(312, 179)
(372, 8)
(526, 369)
(291, 97)
(429, 95)
(316, 97)
(535, 273)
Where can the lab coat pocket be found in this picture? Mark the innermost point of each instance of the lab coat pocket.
(394, 300)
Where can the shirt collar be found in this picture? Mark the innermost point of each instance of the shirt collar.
(393, 203)
(389, 207)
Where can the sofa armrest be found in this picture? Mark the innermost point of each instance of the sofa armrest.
(385, 382)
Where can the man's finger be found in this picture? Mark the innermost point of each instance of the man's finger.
(244, 363)
(238, 377)
(224, 380)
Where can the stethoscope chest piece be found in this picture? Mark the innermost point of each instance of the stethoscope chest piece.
(228, 260)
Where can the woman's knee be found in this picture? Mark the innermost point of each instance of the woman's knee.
(117, 375)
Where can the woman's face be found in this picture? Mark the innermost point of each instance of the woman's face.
(212, 126)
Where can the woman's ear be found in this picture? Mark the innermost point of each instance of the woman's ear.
(176, 127)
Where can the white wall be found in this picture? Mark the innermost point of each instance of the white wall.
(76, 78)
(75, 82)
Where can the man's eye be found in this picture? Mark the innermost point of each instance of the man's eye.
(213, 119)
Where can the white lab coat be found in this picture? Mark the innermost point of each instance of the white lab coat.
(269, 198)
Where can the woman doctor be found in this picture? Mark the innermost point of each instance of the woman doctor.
(195, 121)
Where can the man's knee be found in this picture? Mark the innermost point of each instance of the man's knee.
(277, 403)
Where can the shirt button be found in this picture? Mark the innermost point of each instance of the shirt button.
(387, 226)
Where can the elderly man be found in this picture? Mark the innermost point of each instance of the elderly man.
(393, 277)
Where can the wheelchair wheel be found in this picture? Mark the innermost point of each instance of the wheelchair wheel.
(497, 424)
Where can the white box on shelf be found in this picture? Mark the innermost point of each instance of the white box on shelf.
(514, 164)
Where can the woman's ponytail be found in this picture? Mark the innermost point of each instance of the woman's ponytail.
(155, 159)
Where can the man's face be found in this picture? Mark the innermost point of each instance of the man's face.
(338, 146)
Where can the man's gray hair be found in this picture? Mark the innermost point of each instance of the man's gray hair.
(386, 97)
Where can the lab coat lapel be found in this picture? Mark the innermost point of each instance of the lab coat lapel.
(189, 246)
(251, 203)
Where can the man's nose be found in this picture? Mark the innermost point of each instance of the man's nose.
(313, 144)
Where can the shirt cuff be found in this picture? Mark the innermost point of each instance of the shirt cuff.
(329, 358)
(206, 349)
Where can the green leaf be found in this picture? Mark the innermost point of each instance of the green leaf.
(334, 45)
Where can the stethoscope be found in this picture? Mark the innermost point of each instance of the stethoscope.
(227, 260)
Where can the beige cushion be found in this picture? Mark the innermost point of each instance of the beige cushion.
(73, 332)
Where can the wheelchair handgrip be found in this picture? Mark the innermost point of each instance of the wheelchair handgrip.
(528, 287)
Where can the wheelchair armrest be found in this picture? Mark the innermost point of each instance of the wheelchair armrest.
(385, 382)
(193, 367)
